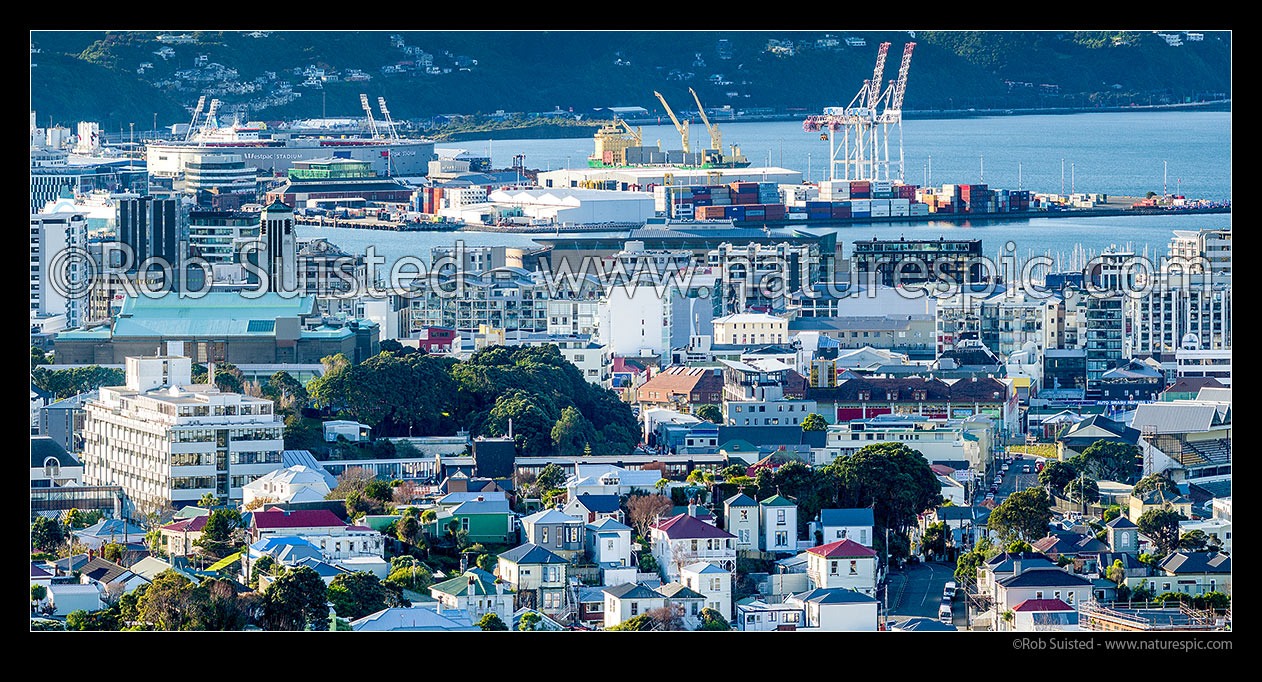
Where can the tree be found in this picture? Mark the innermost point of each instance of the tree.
(1117, 573)
(208, 500)
(264, 565)
(411, 575)
(643, 510)
(408, 529)
(491, 622)
(572, 432)
(488, 562)
(38, 593)
(640, 623)
(168, 602)
(934, 539)
(529, 622)
(814, 422)
(102, 620)
(1083, 490)
(295, 600)
(668, 618)
(355, 595)
(1025, 515)
(217, 606)
(46, 534)
(713, 620)
(710, 413)
(1162, 527)
(551, 477)
(1196, 541)
(1018, 546)
(1108, 461)
(287, 391)
(1157, 481)
(112, 552)
(38, 357)
(893, 479)
(216, 539)
(1056, 475)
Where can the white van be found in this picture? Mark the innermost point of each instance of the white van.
(944, 612)
(948, 591)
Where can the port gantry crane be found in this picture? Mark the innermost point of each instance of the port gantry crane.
(192, 125)
(892, 110)
(866, 119)
(681, 127)
(716, 135)
(372, 124)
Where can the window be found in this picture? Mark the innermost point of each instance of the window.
(782, 538)
(832, 568)
(854, 568)
(635, 608)
(780, 517)
(545, 535)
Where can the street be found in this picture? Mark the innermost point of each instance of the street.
(1014, 480)
(916, 591)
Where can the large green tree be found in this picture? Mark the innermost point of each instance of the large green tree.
(893, 479)
(46, 534)
(572, 433)
(355, 595)
(1025, 515)
(295, 600)
(1162, 527)
(1108, 461)
(1056, 474)
(814, 422)
(710, 413)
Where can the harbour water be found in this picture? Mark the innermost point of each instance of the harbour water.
(1119, 154)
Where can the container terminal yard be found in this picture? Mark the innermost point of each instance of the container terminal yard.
(626, 182)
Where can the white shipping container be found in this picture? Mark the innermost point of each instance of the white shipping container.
(862, 204)
(919, 209)
(878, 211)
(797, 216)
(880, 204)
(899, 203)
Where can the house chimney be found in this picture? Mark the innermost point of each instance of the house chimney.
(692, 508)
(481, 499)
(1016, 567)
(499, 586)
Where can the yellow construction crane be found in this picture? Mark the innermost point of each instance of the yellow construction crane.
(681, 127)
(716, 135)
(635, 134)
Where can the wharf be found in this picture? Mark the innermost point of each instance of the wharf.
(375, 224)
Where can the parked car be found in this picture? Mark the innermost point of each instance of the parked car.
(948, 590)
(944, 612)
(1025, 469)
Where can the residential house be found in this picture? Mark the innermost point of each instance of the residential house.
(1006, 565)
(779, 524)
(685, 539)
(846, 524)
(608, 544)
(686, 601)
(428, 618)
(844, 563)
(1194, 573)
(537, 575)
(1082, 548)
(593, 508)
(1044, 615)
(607, 479)
(476, 592)
(1158, 498)
(180, 538)
(338, 541)
(624, 602)
(293, 484)
(116, 579)
(109, 531)
(1040, 583)
(1122, 535)
(837, 609)
(485, 520)
(559, 532)
(713, 584)
(755, 615)
(68, 595)
(740, 517)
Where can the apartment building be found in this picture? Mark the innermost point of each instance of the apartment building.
(167, 441)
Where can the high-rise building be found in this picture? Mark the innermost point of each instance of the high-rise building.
(56, 277)
(167, 442)
(153, 227)
(277, 248)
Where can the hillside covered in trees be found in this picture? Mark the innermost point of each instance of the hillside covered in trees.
(103, 76)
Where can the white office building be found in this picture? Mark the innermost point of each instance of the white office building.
(168, 441)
